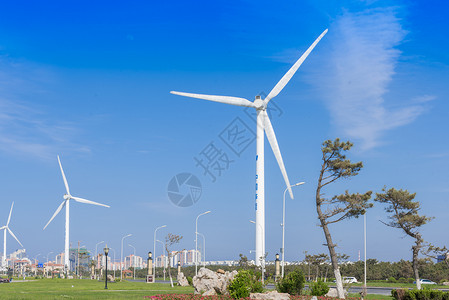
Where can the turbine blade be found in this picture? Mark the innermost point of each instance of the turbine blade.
(81, 200)
(1, 228)
(63, 177)
(10, 232)
(222, 99)
(275, 147)
(284, 80)
(56, 212)
(10, 212)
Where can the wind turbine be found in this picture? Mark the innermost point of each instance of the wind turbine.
(263, 125)
(5, 228)
(66, 202)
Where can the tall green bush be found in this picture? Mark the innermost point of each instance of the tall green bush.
(292, 283)
(318, 288)
(244, 283)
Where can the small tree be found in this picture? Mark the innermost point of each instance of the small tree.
(338, 208)
(404, 215)
(170, 240)
(243, 261)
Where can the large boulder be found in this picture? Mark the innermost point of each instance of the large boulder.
(182, 280)
(209, 283)
(332, 293)
(273, 295)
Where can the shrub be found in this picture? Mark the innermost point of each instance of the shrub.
(424, 294)
(410, 280)
(392, 280)
(318, 288)
(190, 280)
(402, 280)
(244, 283)
(293, 283)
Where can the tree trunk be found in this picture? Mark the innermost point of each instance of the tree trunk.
(169, 270)
(415, 250)
(332, 253)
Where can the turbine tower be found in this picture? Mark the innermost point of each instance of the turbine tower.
(66, 202)
(263, 125)
(6, 228)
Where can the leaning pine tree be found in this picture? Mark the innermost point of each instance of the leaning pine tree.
(404, 215)
(338, 208)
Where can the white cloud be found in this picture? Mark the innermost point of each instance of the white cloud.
(24, 128)
(357, 69)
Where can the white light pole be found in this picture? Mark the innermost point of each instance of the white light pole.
(163, 262)
(261, 258)
(154, 250)
(134, 261)
(121, 257)
(283, 228)
(115, 267)
(364, 241)
(47, 261)
(35, 262)
(196, 240)
(204, 248)
(96, 259)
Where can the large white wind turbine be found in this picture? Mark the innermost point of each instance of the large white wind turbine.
(66, 202)
(6, 228)
(263, 125)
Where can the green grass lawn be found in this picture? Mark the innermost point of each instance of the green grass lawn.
(85, 289)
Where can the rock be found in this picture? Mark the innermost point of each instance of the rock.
(446, 283)
(209, 282)
(314, 298)
(182, 280)
(111, 278)
(220, 271)
(332, 293)
(274, 295)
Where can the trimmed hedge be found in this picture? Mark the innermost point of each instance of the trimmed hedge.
(424, 294)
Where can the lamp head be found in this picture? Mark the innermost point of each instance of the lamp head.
(106, 250)
(150, 255)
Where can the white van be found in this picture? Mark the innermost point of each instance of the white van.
(349, 280)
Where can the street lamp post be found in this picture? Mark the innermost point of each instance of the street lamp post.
(134, 261)
(262, 258)
(106, 252)
(204, 248)
(113, 261)
(154, 251)
(163, 263)
(196, 240)
(283, 228)
(364, 242)
(121, 257)
(96, 259)
(47, 261)
(35, 262)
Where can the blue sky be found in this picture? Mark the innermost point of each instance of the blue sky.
(91, 81)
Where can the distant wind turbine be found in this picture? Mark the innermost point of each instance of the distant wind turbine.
(263, 125)
(66, 203)
(5, 228)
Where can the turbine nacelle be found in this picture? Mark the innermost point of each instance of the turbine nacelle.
(66, 197)
(259, 104)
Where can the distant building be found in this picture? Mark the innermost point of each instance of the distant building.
(133, 260)
(79, 258)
